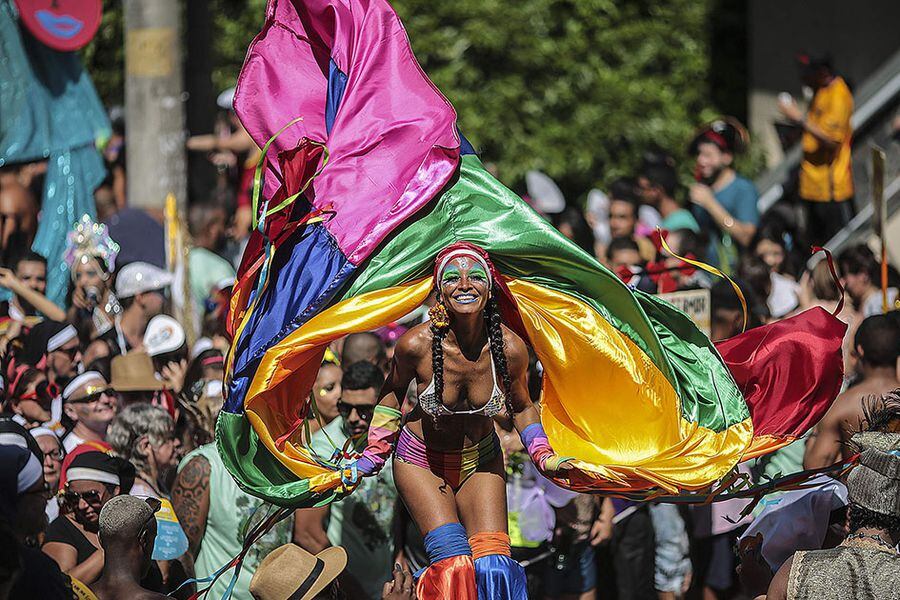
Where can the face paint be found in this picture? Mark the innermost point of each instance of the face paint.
(450, 274)
(464, 263)
(479, 273)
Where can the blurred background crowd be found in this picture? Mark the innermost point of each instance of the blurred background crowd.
(113, 341)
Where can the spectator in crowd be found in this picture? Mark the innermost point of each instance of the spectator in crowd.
(327, 393)
(30, 396)
(165, 343)
(627, 554)
(92, 478)
(826, 179)
(623, 215)
(23, 493)
(28, 281)
(141, 288)
(784, 293)
(361, 523)
(127, 531)
(727, 313)
(90, 406)
(623, 257)
(866, 564)
(572, 573)
(877, 346)
(658, 186)
(53, 452)
(572, 224)
(673, 569)
(215, 515)
(292, 572)
(91, 257)
(207, 223)
(54, 347)
(19, 212)
(144, 435)
(862, 278)
(725, 202)
(365, 346)
(134, 380)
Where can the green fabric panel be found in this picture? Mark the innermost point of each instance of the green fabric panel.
(709, 394)
(479, 209)
(256, 471)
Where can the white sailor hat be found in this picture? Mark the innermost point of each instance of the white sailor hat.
(139, 277)
(164, 334)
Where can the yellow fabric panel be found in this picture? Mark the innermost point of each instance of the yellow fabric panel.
(606, 403)
(287, 370)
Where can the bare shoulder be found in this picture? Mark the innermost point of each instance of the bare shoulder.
(515, 348)
(415, 343)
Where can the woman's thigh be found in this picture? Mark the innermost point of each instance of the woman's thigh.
(481, 500)
(429, 500)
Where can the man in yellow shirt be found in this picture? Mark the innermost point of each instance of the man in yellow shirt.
(826, 180)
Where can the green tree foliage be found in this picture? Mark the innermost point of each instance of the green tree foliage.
(577, 88)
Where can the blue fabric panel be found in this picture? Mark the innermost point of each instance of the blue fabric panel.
(464, 146)
(337, 82)
(446, 541)
(307, 273)
(500, 577)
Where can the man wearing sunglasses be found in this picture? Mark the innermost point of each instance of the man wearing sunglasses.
(361, 523)
(90, 405)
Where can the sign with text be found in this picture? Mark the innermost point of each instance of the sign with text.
(694, 303)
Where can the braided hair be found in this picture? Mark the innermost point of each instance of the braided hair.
(498, 354)
(496, 345)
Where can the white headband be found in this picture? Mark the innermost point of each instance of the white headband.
(89, 474)
(30, 473)
(80, 381)
(67, 333)
(467, 253)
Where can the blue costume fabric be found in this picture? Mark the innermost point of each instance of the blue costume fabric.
(41, 90)
(499, 576)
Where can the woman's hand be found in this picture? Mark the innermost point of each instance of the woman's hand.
(173, 374)
(79, 299)
(9, 280)
(401, 587)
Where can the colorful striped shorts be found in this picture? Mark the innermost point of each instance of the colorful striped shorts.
(454, 467)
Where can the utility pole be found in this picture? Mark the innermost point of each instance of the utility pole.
(154, 104)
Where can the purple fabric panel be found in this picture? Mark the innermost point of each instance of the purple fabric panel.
(393, 145)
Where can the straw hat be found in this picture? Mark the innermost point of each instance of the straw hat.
(291, 572)
(133, 372)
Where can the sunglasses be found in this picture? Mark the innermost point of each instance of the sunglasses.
(58, 455)
(70, 352)
(90, 497)
(365, 411)
(44, 393)
(94, 396)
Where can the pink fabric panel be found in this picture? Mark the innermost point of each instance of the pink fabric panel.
(393, 145)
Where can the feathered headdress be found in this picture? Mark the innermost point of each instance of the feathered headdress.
(90, 240)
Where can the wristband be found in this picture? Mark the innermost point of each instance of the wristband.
(383, 433)
(538, 446)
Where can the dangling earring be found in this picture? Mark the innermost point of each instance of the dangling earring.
(439, 316)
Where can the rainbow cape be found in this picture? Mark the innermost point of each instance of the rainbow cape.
(363, 192)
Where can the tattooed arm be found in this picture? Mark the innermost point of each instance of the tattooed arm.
(190, 499)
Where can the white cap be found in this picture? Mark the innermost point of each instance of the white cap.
(139, 277)
(201, 346)
(225, 100)
(80, 381)
(164, 334)
(62, 338)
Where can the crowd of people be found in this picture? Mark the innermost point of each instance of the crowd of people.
(112, 484)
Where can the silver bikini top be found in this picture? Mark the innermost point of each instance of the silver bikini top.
(430, 404)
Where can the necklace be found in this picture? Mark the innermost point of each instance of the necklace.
(871, 539)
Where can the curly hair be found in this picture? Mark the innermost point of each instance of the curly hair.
(862, 517)
(496, 345)
(135, 421)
